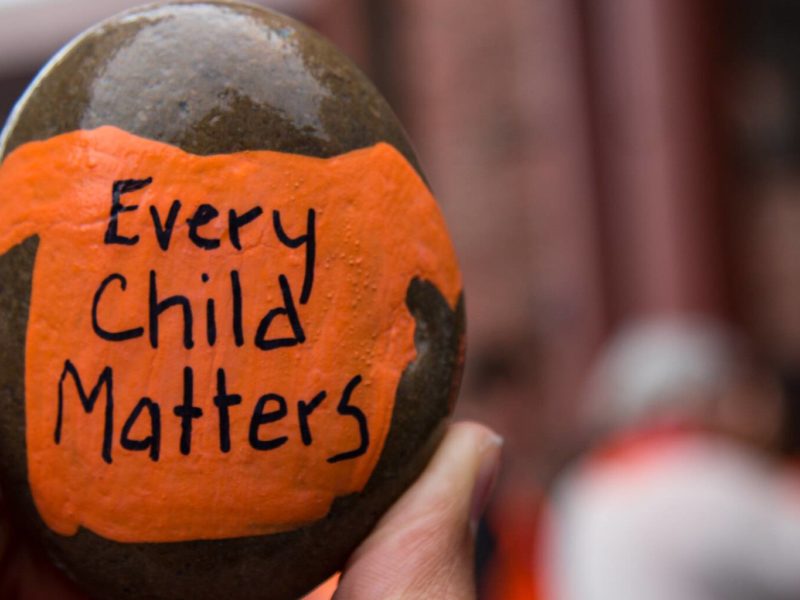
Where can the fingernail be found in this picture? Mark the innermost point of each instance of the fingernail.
(485, 482)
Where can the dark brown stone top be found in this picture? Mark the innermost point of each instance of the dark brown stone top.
(210, 78)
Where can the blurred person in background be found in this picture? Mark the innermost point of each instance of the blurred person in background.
(683, 495)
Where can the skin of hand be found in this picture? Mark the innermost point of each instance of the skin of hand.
(423, 547)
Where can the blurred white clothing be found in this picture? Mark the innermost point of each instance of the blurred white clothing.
(677, 516)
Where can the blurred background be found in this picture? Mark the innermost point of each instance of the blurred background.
(597, 163)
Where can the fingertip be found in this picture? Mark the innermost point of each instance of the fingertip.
(469, 449)
(479, 437)
(475, 431)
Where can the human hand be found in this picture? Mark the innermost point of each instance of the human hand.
(421, 548)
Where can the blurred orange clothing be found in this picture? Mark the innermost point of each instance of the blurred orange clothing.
(514, 521)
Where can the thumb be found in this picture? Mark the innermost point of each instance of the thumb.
(424, 546)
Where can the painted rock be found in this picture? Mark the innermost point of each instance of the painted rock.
(232, 319)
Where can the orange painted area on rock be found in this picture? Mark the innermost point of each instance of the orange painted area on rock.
(277, 397)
